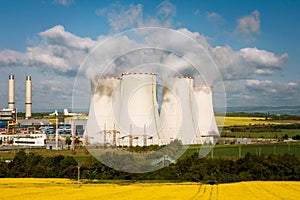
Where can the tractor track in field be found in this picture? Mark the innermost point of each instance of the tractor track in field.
(268, 191)
(199, 189)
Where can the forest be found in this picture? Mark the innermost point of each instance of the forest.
(190, 168)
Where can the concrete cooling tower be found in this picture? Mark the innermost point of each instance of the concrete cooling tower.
(124, 111)
(207, 127)
(139, 119)
(178, 117)
(101, 127)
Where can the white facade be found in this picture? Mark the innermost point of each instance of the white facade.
(37, 140)
(34, 140)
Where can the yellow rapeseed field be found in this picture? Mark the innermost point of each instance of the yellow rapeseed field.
(44, 189)
(241, 121)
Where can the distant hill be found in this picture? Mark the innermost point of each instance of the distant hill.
(289, 110)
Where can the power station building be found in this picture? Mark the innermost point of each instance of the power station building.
(124, 111)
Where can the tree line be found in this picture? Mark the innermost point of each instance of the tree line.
(190, 168)
(262, 128)
(267, 116)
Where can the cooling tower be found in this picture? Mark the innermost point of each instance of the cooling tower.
(103, 107)
(11, 92)
(207, 127)
(139, 108)
(178, 115)
(28, 100)
(124, 111)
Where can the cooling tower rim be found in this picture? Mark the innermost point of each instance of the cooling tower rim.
(109, 77)
(139, 73)
(188, 77)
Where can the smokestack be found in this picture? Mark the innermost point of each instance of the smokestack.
(28, 102)
(11, 92)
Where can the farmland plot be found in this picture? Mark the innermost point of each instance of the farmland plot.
(45, 189)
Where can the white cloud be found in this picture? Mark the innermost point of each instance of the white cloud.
(63, 51)
(12, 58)
(255, 83)
(246, 62)
(249, 24)
(266, 92)
(64, 2)
(167, 9)
(121, 17)
(215, 18)
(255, 92)
(263, 58)
(267, 86)
(58, 49)
(58, 36)
(166, 13)
(264, 72)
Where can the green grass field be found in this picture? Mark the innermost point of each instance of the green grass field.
(232, 151)
(277, 134)
(235, 151)
(80, 156)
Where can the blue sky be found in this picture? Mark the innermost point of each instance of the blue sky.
(256, 43)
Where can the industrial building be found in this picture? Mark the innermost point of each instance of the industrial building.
(22, 132)
(124, 111)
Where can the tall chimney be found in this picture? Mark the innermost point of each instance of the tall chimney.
(11, 92)
(28, 101)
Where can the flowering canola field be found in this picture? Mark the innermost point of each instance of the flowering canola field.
(242, 121)
(44, 189)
